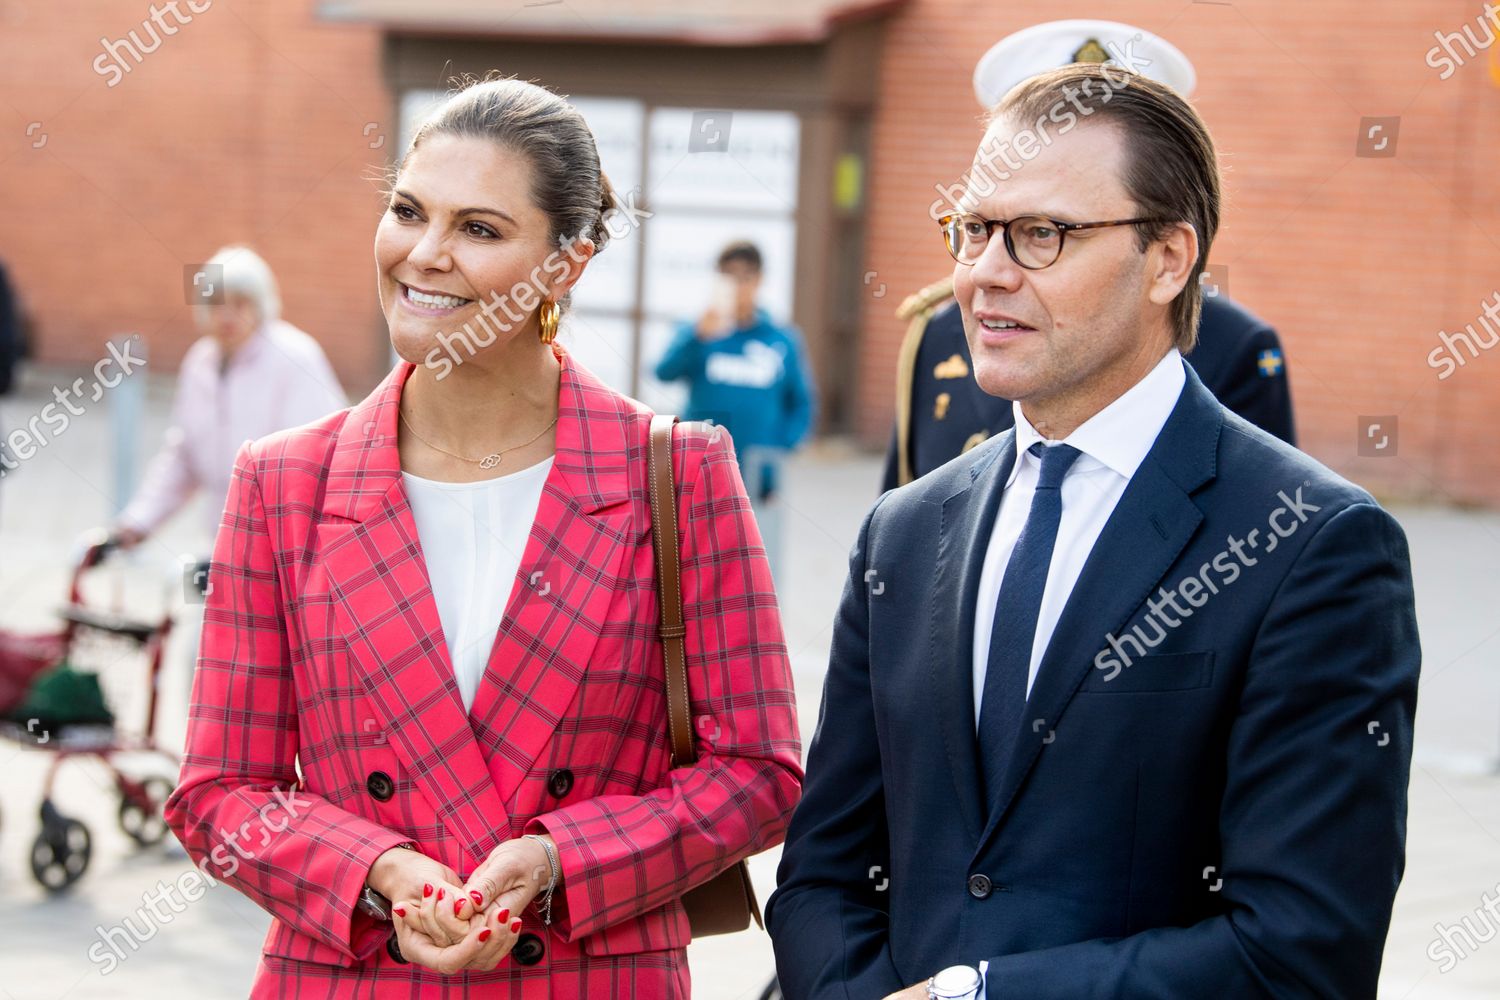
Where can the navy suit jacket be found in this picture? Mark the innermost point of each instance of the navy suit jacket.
(1208, 798)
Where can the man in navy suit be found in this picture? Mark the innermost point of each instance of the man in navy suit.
(1120, 701)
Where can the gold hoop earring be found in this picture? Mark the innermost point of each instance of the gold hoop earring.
(548, 316)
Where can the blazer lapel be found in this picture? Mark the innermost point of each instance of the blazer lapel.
(383, 605)
(968, 518)
(568, 578)
(1148, 530)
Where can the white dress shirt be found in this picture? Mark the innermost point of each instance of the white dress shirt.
(279, 378)
(473, 536)
(1113, 441)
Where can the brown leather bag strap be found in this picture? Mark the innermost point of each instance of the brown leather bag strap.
(726, 903)
(669, 589)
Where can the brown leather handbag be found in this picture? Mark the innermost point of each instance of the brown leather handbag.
(725, 903)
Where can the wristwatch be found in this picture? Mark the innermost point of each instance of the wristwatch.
(957, 982)
(372, 902)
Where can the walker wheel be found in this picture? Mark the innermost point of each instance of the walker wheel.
(141, 805)
(60, 853)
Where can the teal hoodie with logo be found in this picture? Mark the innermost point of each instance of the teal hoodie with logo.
(754, 382)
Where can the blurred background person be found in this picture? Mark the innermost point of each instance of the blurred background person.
(10, 351)
(748, 374)
(251, 374)
(940, 410)
(12, 342)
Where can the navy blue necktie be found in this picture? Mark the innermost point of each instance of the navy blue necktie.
(1015, 618)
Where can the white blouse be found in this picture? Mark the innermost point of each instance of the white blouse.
(473, 536)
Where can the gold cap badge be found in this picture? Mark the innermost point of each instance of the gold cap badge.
(1091, 52)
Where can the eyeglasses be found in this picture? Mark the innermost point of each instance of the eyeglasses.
(1033, 241)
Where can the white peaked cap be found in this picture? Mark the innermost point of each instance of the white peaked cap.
(1052, 44)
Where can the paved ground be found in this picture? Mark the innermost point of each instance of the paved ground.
(209, 949)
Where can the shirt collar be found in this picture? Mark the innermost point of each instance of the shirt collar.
(1118, 436)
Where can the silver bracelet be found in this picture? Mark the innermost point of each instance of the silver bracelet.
(545, 905)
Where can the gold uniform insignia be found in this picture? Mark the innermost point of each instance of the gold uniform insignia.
(940, 407)
(954, 367)
(916, 310)
(976, 439)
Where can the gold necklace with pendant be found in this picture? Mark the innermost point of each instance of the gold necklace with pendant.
(488, 461)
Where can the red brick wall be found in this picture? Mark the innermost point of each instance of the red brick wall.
(1359, 262)
(246, 125)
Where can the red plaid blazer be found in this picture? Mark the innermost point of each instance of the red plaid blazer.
(323, 671)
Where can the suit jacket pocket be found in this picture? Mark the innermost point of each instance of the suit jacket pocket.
(284, 941)
(664, 927)
(1158, 672)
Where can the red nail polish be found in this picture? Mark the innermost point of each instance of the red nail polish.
(400, 911)
(484, 935)
(515, 925)
(426, 889)
(477, 898)
(458, 904)
(440, 896)
(502, 916)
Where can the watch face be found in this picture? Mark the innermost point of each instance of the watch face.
(374, 904)
(956, 981)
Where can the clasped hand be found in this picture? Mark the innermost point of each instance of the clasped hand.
(449, 926)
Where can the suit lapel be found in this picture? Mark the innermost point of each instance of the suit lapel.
(568, 579)
(968, 518)
(1147, 531)
(384, 607)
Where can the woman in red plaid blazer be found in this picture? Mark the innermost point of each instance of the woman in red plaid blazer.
(530, 837)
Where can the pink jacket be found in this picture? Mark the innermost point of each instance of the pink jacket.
(322, 649)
